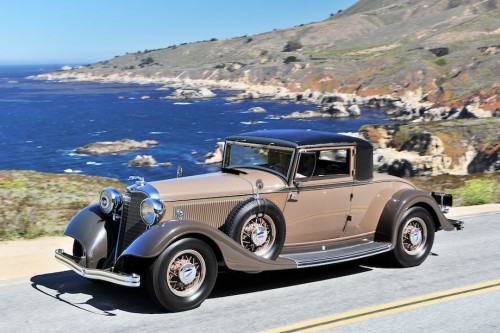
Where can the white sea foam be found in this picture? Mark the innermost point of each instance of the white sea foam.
(182, 103)
(93, 163)
(253, 122)
(73, 171)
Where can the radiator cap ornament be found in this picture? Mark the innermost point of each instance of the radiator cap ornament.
(139, 181)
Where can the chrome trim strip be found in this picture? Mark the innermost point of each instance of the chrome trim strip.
(243, 196)
(127, 280)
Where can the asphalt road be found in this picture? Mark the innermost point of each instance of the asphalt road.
(362, 294)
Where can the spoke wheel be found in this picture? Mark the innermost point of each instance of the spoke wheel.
(414, 236)
(186, 273)
(183, 276)
(414, 239)
(258, 234)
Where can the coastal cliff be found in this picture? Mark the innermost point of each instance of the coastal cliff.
(457, 147)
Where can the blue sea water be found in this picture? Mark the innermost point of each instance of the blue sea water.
(41, 124)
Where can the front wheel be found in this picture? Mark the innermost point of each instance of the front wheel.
(415, 236)
(183, 276)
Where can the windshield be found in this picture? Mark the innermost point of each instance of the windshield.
(277, 159)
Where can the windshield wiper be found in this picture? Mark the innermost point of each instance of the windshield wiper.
(234, 171)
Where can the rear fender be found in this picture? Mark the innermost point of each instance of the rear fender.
(88, 227)
(396, 207)
(154, 241)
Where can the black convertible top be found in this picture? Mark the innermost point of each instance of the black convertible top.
(305, 138)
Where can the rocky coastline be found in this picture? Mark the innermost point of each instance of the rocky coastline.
(412, 106)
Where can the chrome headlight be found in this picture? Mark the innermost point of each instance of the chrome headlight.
(152, 211)
(110, 200)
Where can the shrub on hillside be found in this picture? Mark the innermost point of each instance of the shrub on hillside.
(292, 45)
(146, 61)
(478, 191)
(291, 59)
(441, 62)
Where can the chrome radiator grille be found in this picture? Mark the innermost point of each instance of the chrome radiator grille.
(213, 213)
(131, 225)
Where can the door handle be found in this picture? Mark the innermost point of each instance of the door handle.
(293, 197)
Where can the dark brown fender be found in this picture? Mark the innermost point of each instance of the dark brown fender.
(88, 228)
(396, 207)
(159, 237)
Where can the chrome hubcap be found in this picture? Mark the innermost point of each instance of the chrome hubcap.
(258, 234)
(186, 273)
(414, 236)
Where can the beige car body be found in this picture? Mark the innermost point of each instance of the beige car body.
(315, 213)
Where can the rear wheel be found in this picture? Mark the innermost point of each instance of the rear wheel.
(415, 237)
(183, 276)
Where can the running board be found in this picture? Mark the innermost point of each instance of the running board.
(327, 257)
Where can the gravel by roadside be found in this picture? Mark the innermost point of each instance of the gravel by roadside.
(26, 258)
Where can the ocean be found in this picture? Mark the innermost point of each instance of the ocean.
(42, 122)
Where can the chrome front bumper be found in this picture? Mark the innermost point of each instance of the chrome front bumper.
(127, 280)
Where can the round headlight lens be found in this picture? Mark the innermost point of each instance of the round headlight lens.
(110, 200)
(151, 211)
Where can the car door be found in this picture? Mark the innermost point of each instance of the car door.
(318, 204)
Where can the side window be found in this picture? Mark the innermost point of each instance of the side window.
(324, 163)
(307, 165)
(279, 161)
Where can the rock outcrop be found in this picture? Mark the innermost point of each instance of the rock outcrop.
(191, 94)
(257, 109)
(451, 147)
(143, 161)
(146, 161)
(215, 156)
(115, 147)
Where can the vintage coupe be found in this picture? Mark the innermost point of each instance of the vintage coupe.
(284, 199)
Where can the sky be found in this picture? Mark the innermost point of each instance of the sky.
(88, 31)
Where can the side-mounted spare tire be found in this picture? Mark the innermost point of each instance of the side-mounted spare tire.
(259, 226)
